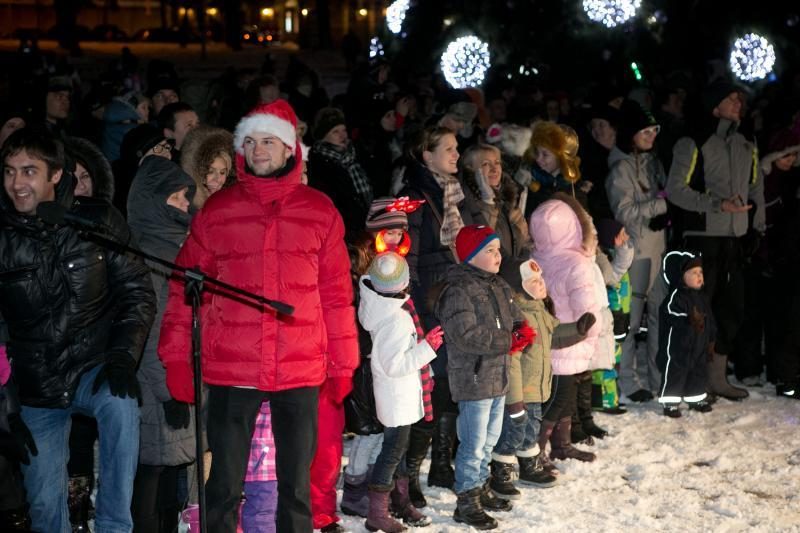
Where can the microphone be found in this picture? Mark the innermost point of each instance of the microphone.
(55, 213)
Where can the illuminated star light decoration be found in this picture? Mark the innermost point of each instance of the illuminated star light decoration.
(611, 13)
(465, 62)
(396, 14)
(375, 48)
(752, 57)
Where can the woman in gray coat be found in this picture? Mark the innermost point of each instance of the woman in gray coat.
(159, 215)
(634, 186)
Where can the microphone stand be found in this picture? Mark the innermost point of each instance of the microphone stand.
(194, 280)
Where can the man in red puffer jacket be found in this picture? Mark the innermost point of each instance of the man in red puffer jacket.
(270, 235)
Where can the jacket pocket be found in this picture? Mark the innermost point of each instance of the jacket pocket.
(21, 295)
(88, 280)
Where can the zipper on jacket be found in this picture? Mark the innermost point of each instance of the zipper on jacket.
(496, 308)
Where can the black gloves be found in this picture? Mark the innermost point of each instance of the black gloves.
(750, 242)
(21, 440)
(659, 222)
(120, 372)
(585, 323)
(176, 414)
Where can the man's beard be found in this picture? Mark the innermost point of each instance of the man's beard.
(277, 173)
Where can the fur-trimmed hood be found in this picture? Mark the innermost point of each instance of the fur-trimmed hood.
(562, 224)
(202, 145)
(90, 156)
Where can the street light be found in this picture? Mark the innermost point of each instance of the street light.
(362, 12)
(267, 12)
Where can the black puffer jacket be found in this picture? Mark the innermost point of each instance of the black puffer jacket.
(478, 314)
(68, 302)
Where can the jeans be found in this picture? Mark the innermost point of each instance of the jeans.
(478, 425)
(231, 420)
(364, 451)
(46, 476)
(519, 435)
(391, 460)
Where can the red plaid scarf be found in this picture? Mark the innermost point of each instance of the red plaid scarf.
(425, 371)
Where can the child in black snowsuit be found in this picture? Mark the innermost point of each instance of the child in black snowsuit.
(686, 335)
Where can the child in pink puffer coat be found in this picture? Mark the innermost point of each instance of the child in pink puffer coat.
(564, 246)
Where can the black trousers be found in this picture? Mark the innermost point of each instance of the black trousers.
(563, 399)
(155, 504)
(231, 421)
(12, 492)
(724, 285)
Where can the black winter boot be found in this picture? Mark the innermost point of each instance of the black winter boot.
(584, 386)
(577, 434)
(532, 472)
(16, 520)
(544, 437)
(491, 502)
(788, 390)
(469, 511)
(502, 480)
(562, 448)
(418, 443)
(701, 407)
(441, 473)
(79, 502)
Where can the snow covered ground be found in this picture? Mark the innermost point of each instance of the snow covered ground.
(734, 469)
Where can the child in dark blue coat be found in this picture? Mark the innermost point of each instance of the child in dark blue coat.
(686, 335)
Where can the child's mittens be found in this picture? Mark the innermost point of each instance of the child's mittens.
(434, 337)
(522, 336)
(585, 323)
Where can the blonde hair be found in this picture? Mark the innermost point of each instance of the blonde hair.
(562, 141)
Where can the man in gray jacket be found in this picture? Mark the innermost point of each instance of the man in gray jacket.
(715, 179)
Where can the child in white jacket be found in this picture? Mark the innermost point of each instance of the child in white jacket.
(402, 384)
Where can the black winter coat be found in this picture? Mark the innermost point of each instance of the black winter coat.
(428, 259)
(685, 332)
(333, 179)
(477, 313)
(68, 303)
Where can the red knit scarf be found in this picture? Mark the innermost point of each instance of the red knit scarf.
(425, 371)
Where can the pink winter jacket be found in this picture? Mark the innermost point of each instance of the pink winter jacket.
(558, 227)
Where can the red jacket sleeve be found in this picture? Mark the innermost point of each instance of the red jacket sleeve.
(175, 341)
(336, 297)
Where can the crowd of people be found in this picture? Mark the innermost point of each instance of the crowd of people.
(474, 275)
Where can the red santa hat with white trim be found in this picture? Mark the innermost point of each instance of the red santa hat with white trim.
(276, 118)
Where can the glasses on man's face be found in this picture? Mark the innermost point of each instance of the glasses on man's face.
(652, 130)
